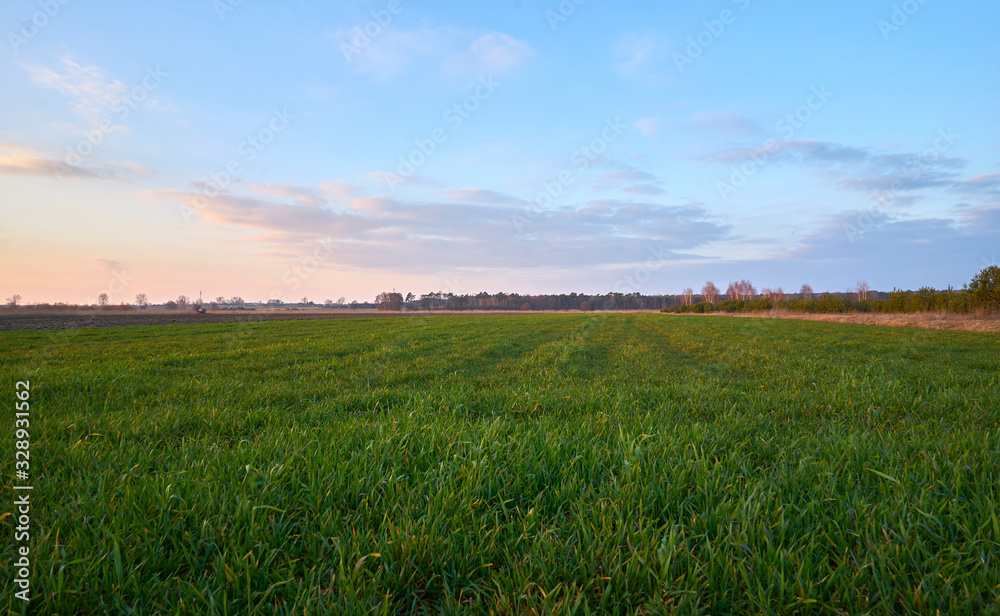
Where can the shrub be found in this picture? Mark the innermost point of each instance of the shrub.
(984, 290)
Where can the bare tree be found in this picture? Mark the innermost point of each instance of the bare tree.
(14, 300)
(779, 294)
(806, 291)
(862, 290)
(744, 290)
(102, 300)
(328, 303)
(341, 301)
(733, 291)
(221, 301)
(182, 301)
(687, 296)
(710, 292)
(236, 300)
(141, 300)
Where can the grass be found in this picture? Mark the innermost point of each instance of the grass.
(550, 464)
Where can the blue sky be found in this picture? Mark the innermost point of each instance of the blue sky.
(243, 148)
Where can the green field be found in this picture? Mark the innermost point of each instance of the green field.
(537, 464)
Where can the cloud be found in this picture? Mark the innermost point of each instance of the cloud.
(853, 168)
(17, 160)
(490, 54)
(722, 121)
(479, 195)
(637, 53)
(339, 189)
(805, 151)
(293, 193)
(986, 184)
(455, 52)
(628, 179)
(628, 175)
(648, 126)
(474, 228)
(91, 93)
(877, 241)
(644, 189)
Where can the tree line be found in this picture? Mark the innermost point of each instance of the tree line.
(981, 294)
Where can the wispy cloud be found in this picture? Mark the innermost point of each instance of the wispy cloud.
(854, 168)
(648, 126)
(639, 55)
(490, 54)
(452, 51)
(89, 91)
(17, 160)
(986, 184)
(722, 121)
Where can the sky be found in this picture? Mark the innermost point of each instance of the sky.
(327, 149)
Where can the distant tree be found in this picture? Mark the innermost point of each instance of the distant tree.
(102, 300)
(390, 301)
(171, 305)
(687, 296)
(733, 291)
(221, 301)
(328, 303)
(141, 300)
(14, 300)
(710, 292)
(806, 292)
(354, 305)
(182, 301)
(236, 300)
(984, 289)
(584, 305)
(341, 301)
(743, 289)
(862, 290)
(525, 306)
(304, 301)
